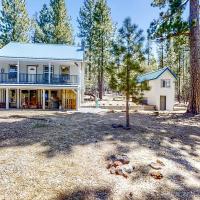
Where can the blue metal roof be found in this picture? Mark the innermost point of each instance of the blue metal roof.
(154, 75)
(41, 51)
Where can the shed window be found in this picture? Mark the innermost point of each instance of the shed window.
(165, 83)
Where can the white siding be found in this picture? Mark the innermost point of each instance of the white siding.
(74, 70)
(153, 95)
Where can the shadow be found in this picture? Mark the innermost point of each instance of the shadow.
(174, 137)
(86, 194)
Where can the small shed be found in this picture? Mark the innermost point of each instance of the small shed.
(162, 88)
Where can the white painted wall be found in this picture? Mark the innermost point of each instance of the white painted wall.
(153, 95)
(74, 70)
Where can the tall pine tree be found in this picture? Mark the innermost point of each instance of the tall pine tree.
(62, 29)
(14, 22)
(103, 30)
(43, 25)
(86, 31)
(128, 55)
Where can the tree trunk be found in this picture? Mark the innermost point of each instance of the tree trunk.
(127, 97)
(194, 102)
(101, 83)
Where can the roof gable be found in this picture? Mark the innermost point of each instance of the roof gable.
(41, 51)
(155, 75)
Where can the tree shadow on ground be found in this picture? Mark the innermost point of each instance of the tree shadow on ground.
(86, 194)
(61, 132)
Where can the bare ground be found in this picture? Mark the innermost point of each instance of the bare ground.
(58, 156)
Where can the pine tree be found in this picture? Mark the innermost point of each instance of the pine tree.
(14, 22)
(127, 54)
(86, 31)
(62, 29)
(103, 32)
(43, 25)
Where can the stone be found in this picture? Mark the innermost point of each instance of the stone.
(112, 170)
(156, 175)
(156, 166)
(120, 171)
(117, 163)
(128, 168)
(110, 164)
(160, 162)
(123, 158)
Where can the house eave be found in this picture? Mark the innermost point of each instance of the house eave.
(41, 59)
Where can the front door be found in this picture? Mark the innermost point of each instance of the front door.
(162, 102)
(32, 71)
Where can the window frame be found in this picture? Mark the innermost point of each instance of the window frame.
(165, 83)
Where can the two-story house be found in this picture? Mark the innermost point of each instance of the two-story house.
(162, 88)
(41, 76)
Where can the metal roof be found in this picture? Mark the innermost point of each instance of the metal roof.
(154, 75)
(41, 51)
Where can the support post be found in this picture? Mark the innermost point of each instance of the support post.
(80, 77)
(43, 99)
(49, 99)
(18, 99)
(18, 72)
(7, 98)
(78, 99)
(49, 73)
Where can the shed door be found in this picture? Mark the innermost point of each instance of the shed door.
(162, 102)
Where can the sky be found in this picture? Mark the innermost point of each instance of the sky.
(140, 11)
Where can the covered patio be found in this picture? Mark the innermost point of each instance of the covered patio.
(53, 98)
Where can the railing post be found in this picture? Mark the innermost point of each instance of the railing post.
(18, 72)
(49, 73)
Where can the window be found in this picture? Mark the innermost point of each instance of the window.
(165, 83)
(65, 70)
(46, 71)
(13, 72)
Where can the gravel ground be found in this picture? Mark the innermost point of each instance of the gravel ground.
(62, 155)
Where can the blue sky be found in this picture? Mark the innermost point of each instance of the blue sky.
(140, 11)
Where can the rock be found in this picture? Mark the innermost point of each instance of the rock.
(160, 162)
(128, 168)
(112, 170)
(156, 166)
(156, 175)
(117, 163)
(123, 158)
(110, 164)
(120, 171)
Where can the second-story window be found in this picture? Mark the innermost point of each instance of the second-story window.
(65, 70)
(165, 83)
(13, 72)
(46, 71)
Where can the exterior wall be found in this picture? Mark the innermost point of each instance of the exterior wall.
(74, 70)
(153, 95)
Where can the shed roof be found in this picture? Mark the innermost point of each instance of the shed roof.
(154, 75)
(41, 51)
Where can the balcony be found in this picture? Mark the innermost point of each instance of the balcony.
(12, 78)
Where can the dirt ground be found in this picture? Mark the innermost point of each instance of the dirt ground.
(60, 156)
